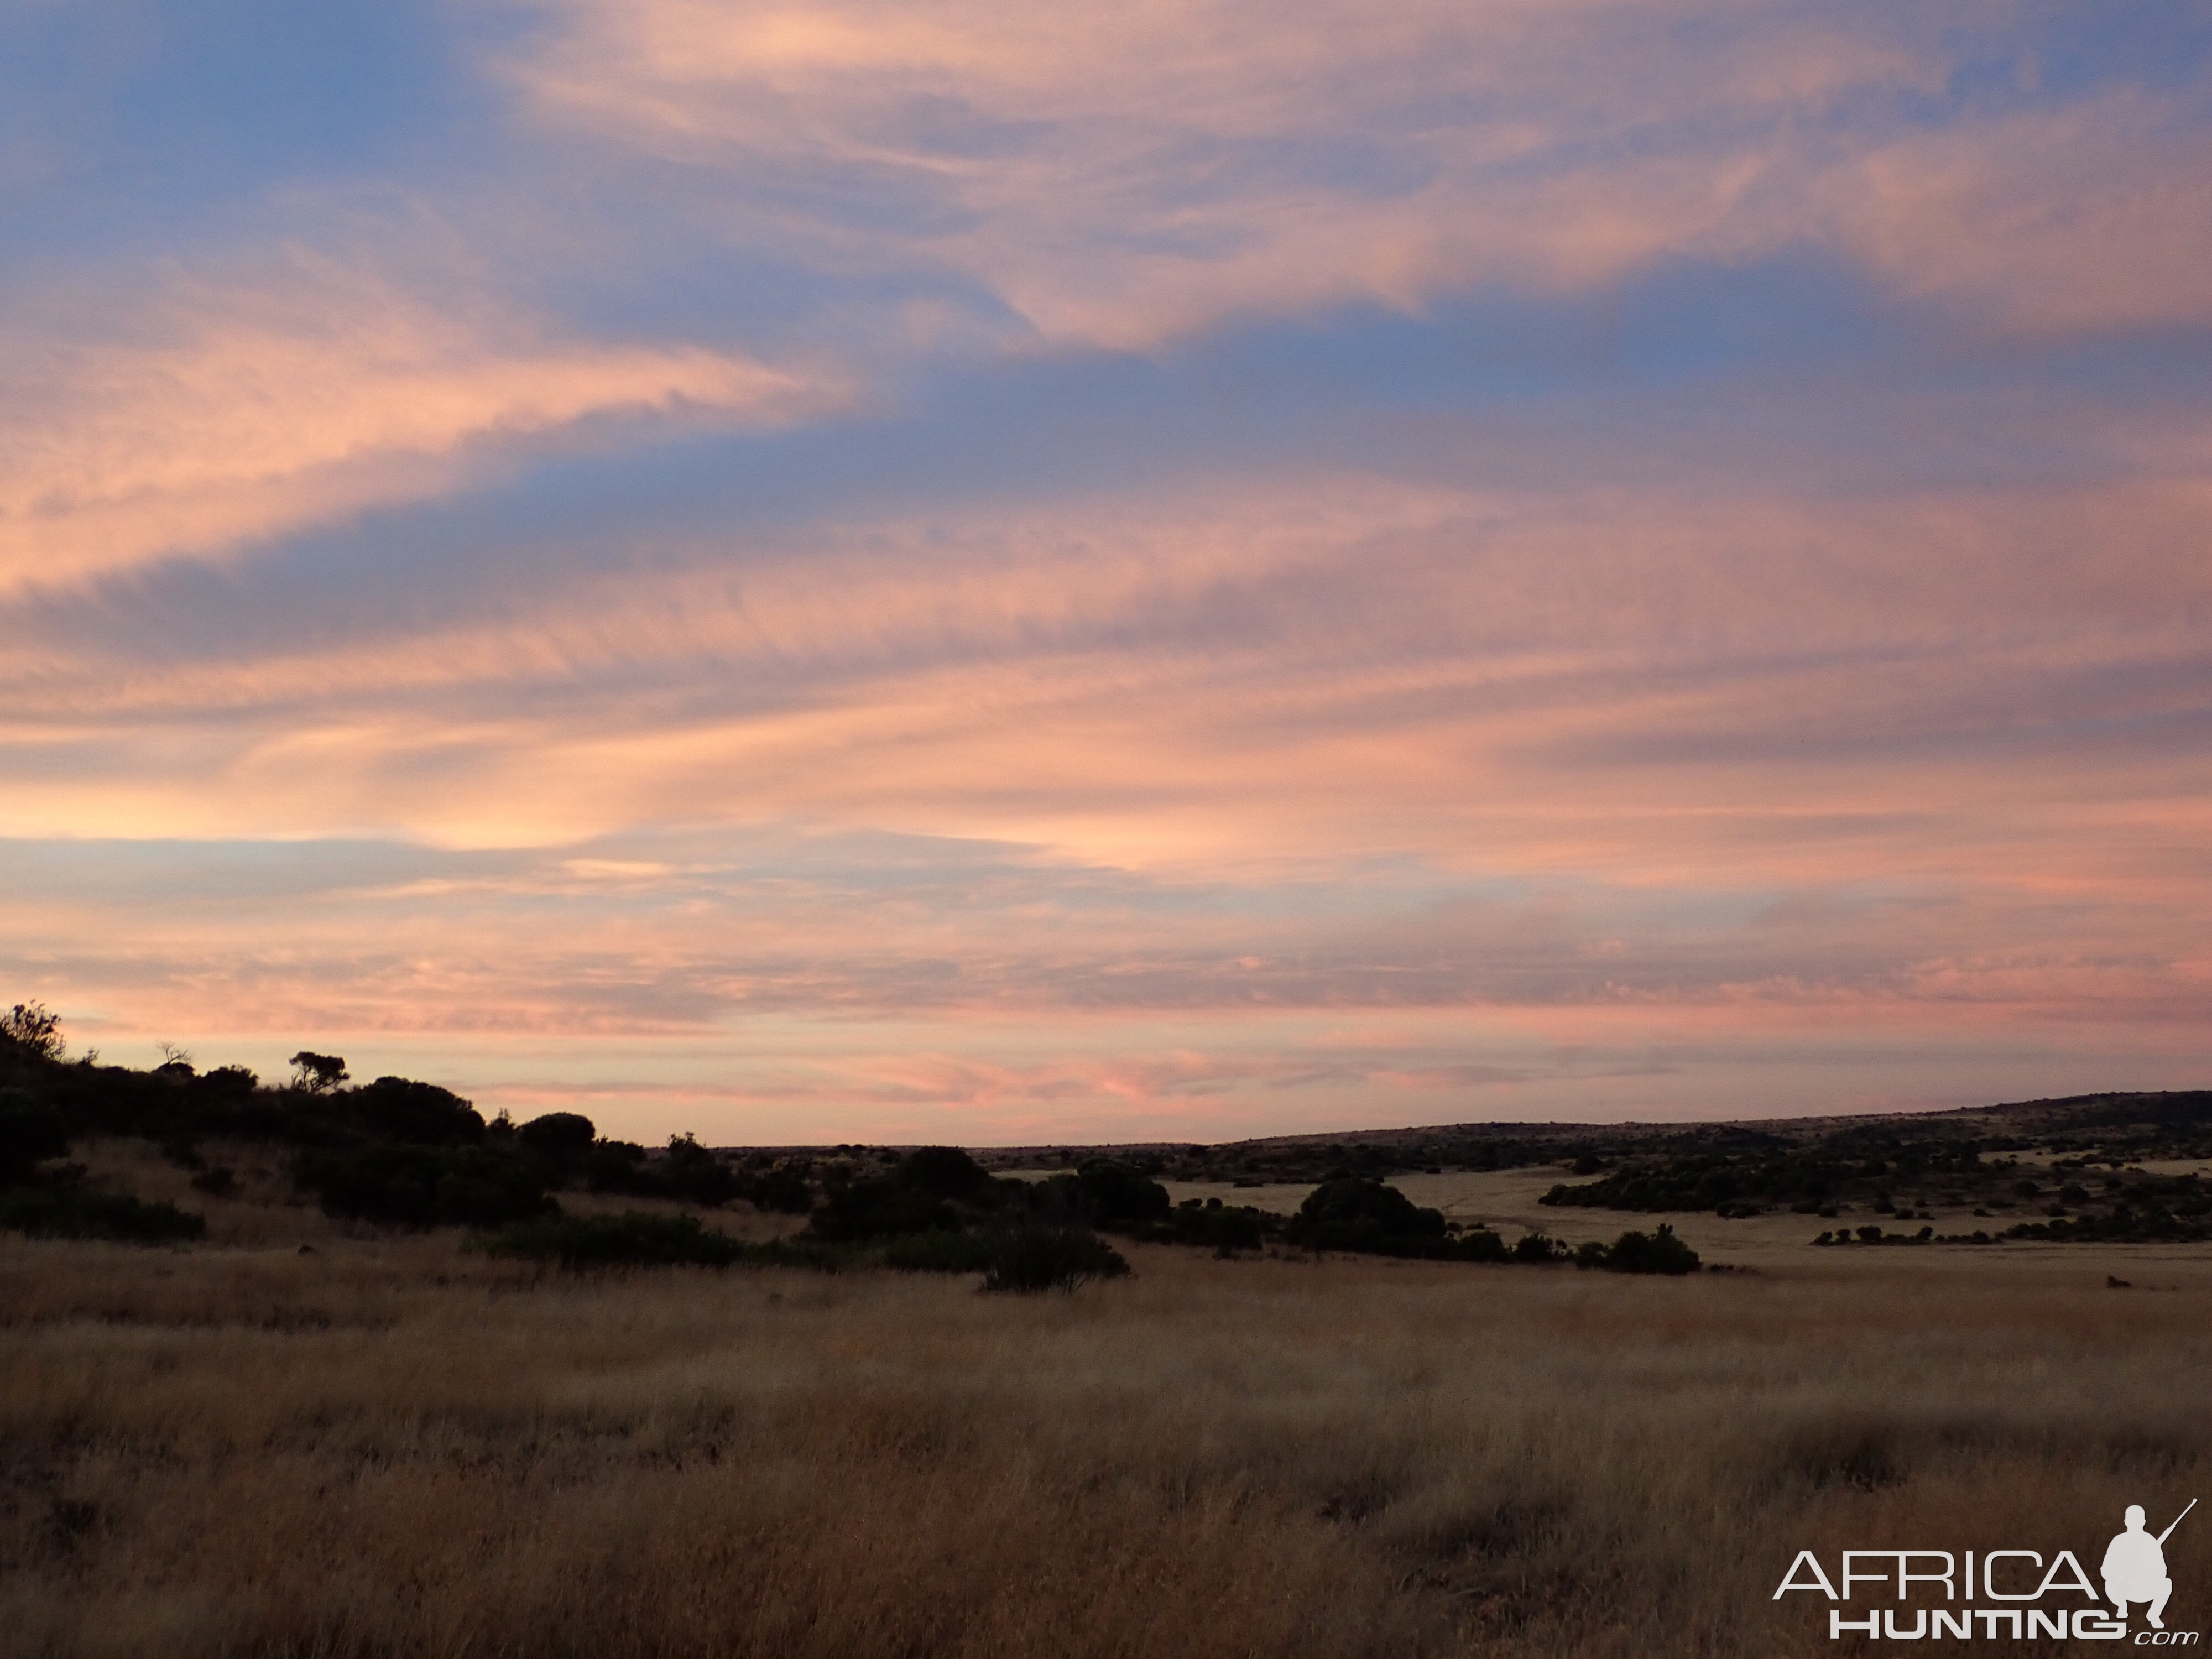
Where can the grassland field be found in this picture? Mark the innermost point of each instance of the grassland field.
(308, 1438)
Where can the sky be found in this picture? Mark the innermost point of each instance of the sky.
(905, 570)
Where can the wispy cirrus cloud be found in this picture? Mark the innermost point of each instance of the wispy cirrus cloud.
(2080, 217)
(200, 415)
(1330, 666)
(1122, 175)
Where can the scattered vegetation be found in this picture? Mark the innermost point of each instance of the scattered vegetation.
(1787, 1164)
(937, 1211)
(449, 1449)
(394, 1152)
(403, 1153)
(61, 1207)
(46, 1201)
(1889, 1166)
(444, 1452)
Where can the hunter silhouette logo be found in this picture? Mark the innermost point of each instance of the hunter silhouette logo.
(2135, 1566)
(2030, 1595)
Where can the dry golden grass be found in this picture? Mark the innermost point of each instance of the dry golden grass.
(392, 1446)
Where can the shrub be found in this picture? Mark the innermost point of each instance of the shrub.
(34, 1029)
(783, 1190)
(916, 1196)
(942, 1172)
(882, 1208)
(616, 1166)
(1360, 1213)
(1028, 1259)
(559, 1133)
(1109, 1192)
(1659, 1252)
(394, 1184)
(422, 1187)
(1224, 1228)
(630, 1239)
(29, 1134)
(1480, 1244)
(419, 1114)
(697, 1175)
(57, 1210)
(476, 1189)
(1538, 1248)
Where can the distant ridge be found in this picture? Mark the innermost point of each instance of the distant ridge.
(2130, 1124)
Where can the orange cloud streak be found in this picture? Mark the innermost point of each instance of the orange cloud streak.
(227, 414)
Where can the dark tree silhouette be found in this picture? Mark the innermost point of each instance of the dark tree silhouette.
(318, 1074)
(33, 1026)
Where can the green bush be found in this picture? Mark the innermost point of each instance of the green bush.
(784, 1191)
(29, 1134)
(559, 1133)
(57, 1210)
(1360, 1213)
(695, 1174)
(1109, 1192)
(618, 1166)
(1028, 1259)
(942, 1172)
(1480, 1244)
(421, 1114)
(1659, 1252)
(423, 1186)
(1224, 1229)
(917, 1196)
(1538, 1248)
(881, 1208)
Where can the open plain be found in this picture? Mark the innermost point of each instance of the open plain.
(388, 1444)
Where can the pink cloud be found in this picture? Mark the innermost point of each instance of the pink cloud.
(225, 412)
(1637, 685)
(1123, 175)
(2094, 216)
